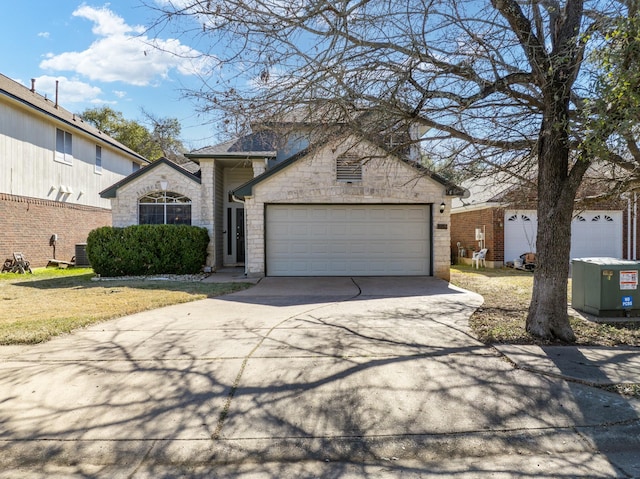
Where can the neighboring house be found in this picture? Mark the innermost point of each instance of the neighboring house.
(503, 218)
(338, 206)
(52, 168)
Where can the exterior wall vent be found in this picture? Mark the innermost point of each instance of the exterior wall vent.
(348, 169)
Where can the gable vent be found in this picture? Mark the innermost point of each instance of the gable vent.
(348, 169)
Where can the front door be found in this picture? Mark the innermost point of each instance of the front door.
(239, 235)
(234, 235)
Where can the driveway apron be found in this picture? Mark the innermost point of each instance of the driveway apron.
(291, 369)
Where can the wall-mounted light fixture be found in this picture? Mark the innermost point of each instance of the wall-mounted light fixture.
(442, 206)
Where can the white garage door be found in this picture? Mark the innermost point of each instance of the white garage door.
(593, 234)
(597, 233)
(347, 240)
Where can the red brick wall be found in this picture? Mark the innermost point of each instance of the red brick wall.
(463, 230)
(26, 224)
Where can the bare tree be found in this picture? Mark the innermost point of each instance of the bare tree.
(165, 134)
(503, 84)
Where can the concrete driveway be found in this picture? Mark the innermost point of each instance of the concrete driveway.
(339, 377)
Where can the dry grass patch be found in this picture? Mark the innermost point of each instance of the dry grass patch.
(507, 293)
(33, 308)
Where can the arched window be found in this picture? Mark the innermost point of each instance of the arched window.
(164, 207)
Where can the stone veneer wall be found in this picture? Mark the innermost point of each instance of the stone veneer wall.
(313, 180)
(124, 207)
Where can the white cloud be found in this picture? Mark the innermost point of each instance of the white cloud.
(123, 53)
(69, 90)
(120, 93)
(106, 23)
(43, 34)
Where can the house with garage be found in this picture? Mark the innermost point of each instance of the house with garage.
(52, 168)
(302, 204)
(501, 216)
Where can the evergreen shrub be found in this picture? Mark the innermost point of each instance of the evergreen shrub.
(147, 250)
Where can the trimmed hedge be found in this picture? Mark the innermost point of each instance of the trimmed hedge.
(147, 249)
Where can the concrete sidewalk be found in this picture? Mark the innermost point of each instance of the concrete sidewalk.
(599, 366)
(304, 377)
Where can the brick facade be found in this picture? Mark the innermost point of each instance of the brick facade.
(29, 223)
(463, 230)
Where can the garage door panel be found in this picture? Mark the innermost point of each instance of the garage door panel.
(344, 240)
(593, 233)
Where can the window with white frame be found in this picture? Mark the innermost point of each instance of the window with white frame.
(164, 208)
(64, 150)
(98, 168)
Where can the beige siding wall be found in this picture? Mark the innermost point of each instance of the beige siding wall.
(28, 166)
(313, 180)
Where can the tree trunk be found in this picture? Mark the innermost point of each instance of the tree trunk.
(548, 317)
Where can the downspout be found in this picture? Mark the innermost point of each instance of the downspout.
(635, 226)
(246, 253)
(629, 227)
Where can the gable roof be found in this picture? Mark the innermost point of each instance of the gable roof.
(247, 189)
(29, 98)
(486, 191)
(112, 190)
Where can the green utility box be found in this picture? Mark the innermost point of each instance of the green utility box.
(605, 286)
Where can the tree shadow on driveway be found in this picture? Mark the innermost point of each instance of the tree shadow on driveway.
(342, 387)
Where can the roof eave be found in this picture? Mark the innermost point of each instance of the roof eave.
(112, 190)
(108, 140)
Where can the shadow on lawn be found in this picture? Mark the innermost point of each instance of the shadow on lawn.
(88, 281)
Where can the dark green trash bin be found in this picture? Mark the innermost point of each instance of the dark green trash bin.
(605, 286)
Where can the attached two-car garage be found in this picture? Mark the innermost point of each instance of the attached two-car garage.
(348, 240)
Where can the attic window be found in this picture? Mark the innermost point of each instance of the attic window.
(348, 168)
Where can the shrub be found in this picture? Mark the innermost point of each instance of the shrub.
(147, 249)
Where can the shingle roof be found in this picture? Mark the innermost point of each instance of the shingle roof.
(14, 90)
(260, 144)
(112, 190)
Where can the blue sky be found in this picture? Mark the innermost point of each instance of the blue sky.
(101, 55)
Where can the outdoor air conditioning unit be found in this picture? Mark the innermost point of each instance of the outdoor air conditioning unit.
(479, 234)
